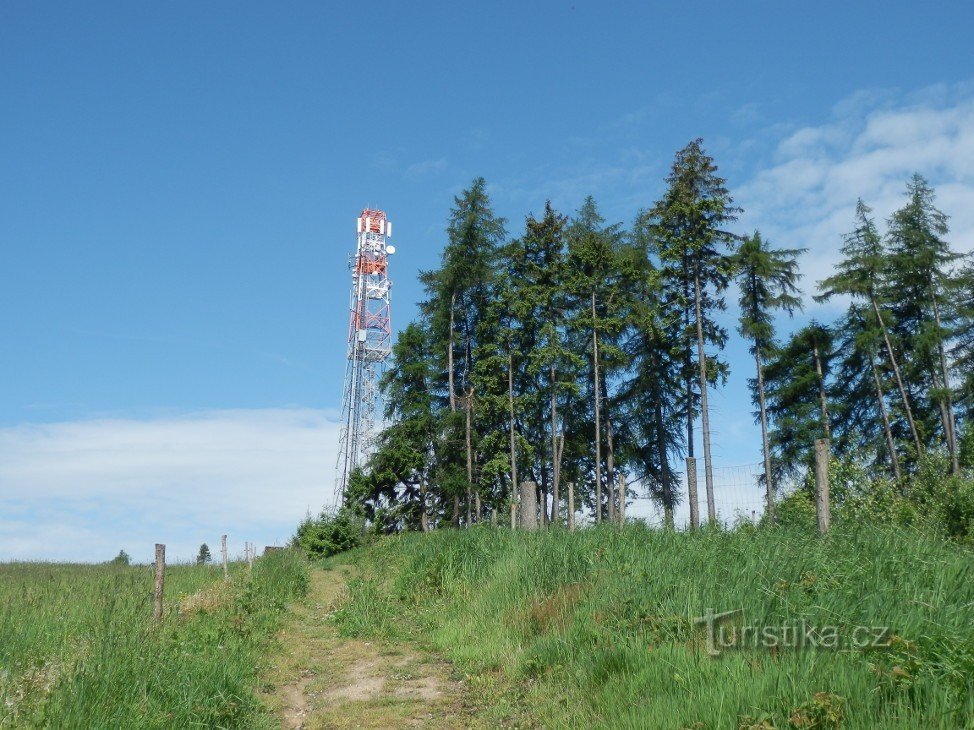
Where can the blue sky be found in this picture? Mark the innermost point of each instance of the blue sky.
(179, 186)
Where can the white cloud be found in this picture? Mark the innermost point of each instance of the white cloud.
(83, 490)
(426, 167)
(807, 196)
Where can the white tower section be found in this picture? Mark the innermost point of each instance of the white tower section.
(369, 345)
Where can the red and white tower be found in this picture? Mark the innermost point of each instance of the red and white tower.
(369, 344)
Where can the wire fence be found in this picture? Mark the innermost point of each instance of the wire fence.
(738, 496)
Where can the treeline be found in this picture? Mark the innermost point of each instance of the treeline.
(583, 352)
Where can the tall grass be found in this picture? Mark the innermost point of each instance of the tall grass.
(78, 647)
(598, 625)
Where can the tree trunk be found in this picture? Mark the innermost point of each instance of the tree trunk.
(597, 396)
(887, 431)
(555, 465)
(510, 406)
(821, 391)
(610, 461)
(950, 425)
(469, 405)
(449, 357)
(768, 478)
(571, 506)
(899, 380)
(664, 464)
(424, 523)
(704, 411)
(688, 357)
(556, 494)
(455, 517)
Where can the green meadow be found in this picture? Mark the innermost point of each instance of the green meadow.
(597, 628)
(79, 648)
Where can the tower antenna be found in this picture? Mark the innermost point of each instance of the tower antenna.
(369, 345)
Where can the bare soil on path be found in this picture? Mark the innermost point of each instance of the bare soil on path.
(323, 680)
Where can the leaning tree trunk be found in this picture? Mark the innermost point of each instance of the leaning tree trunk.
(899, 380)
(704, 412)
(768, 479)
(597, 393)
(884, 416)
(823, 402)
(950, 425)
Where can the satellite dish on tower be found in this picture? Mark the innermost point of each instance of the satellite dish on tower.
(390, 249)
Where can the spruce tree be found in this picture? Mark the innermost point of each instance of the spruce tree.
(457, 296)
(923, 286)
(203, 556)
(695, 247)
(860, 275)
(538, 273)
(595, 282)
(768, 281)
(651, 390)
(796, 382)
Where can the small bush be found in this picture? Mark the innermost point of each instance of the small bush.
(796, 510)
(327, 534)
(946, 500)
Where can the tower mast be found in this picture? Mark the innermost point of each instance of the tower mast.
(369, 345)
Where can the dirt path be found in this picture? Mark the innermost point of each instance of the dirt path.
(326, 681)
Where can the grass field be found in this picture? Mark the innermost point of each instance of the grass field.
(596, 628)
(78, 647)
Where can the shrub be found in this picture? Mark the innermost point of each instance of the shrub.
(947, 500)
(796, 509)
(329, 534)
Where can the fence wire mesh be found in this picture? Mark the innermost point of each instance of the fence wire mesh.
(738, 496)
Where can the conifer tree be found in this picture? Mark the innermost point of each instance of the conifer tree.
(768, 280)
(796, 383)
(689, 224)
(539, 302)
(860, 275)
(863, 388)
(595, 283)
(923, 287)
(651, 390)
(457, 295)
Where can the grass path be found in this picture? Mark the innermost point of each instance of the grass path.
(324, 680)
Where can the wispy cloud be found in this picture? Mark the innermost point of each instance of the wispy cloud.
(83, 490)
(806, 197)
(425, 168)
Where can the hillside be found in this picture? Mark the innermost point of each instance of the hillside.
(597, 628)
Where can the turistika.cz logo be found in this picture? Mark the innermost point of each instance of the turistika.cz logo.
(723, 632)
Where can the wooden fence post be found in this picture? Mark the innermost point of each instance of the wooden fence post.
(692, 493)
(529, 506)
(822, 484)
(250, 554)
(223, 551)
(571, 506)
(160, 581)
(622, 498)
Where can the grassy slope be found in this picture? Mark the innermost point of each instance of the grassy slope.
(78, 647)
(595, 628)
